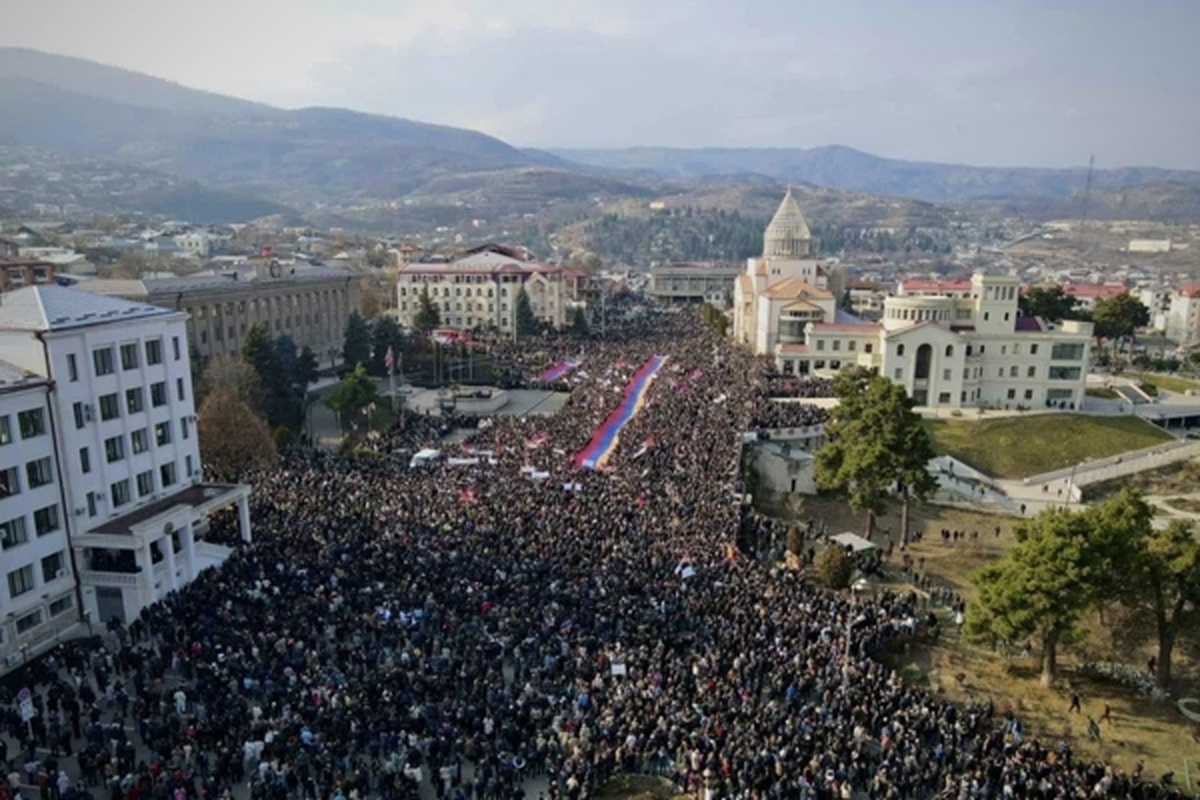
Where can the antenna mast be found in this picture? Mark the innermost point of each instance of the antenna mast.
(1087, 196)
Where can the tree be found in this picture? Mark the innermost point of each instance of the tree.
(356, 344)
(307, 368)
(385, 335)
(526, 322)
(1155, 573)
(353, 396)
(229, 372)
(1049, 302)
(579, 324)
(234, 439)
(874, 443)
(258, 352)
(1040, 588)
(1119, 316)
(427, 318)
(834, 568)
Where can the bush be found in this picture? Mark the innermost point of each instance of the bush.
(795, 542)
(834, 568)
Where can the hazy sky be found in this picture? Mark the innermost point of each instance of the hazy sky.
(976, 81)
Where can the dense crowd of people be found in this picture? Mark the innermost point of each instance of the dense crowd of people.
(479, 630)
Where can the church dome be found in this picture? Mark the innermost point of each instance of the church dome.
(788, 235)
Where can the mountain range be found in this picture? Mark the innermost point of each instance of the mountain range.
(225, 156)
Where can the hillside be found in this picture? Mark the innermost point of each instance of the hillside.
(1157, 201)
(845, 168)
(311, 155)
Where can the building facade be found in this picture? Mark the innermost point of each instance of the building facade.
(39, 591)
(16, 272)
(950, 344)
(694, 283)
(309, 304)
(479, 289)
(121, 418)
(1183, 316)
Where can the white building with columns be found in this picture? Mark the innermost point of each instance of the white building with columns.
(950, 344)
(122, 419)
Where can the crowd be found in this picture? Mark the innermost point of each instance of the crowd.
(479, 631)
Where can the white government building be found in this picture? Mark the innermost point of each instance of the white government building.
(104, 509)
(953, 346)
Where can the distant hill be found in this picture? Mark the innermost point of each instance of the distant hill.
(1157, 201)
(311, 155)
(840, 167)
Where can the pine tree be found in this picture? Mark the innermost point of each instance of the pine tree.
(427, 318)
(356, 346)
(526, 322)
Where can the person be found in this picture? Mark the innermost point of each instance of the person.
(1076, 707)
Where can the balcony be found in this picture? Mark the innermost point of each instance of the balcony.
(89, 577)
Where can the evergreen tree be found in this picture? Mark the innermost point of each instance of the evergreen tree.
(353, 397)
(579, 323)
(356, 345)
(385, 335)
(526, 322)
(874, 442)
(427, 318)
(307, 368)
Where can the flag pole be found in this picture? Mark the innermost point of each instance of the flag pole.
(391, 365)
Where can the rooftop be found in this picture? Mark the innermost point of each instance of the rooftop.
(55, 308)
(195, 495)
(796, 289)
(13, 378)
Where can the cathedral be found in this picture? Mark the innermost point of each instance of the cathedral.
(964, 346)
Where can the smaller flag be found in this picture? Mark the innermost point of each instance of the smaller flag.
(389, 360)
(466, 497)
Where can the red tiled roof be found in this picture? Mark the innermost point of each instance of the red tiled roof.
(793, 349)
(1095, 290)
(1191, 290)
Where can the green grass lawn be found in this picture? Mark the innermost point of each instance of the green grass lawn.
(1171, 383)
(1017, 447)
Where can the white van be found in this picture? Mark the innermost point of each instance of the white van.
(424, 457)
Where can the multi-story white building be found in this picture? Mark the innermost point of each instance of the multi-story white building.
(1183, 318)
(951, 344)
(39, 590)
(479, 289)
(122, 418)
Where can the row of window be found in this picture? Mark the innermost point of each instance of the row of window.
(14, 532)
(38, 473)
(121, 492)
(130, 354)
(139, 442)
(31, 423)
(219, 332)
(22, 580)
(291, 301)
(135, 402)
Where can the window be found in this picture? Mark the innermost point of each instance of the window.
(120, 493)
(166, 474)
(946, 374)
(162, 433)
(820, 344)
(39, 472)
(51, 566)
(129, 356)
(109, 407)
(62, 605)
(837, 344)
(179, 389)
(91, 504)
(139, 441)
(868, 348)
(10, 483)
(185, 432)
(986, 316)
(1017, 349)
(154, 351)
(20, 581)
(943, 398)
(899, 374)
(1012, 394)
(1012, 372)
(135, 400)
(13, 533)
(102, 361)
(1031, 372)
(72, 368)
(1033, 349)
(187, 464)
(5, 430)
(175, 348)
(1003, 349)
(114, 449)
(1060, 394)
(852, 345)
(145, 483)
(30, 621)
(1067, 352)
(899, 349)
(1065, 373)
(46, 520)
(79, 418)
(158, 394)
(31, 423)
(1029, 394)
(949, 350)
